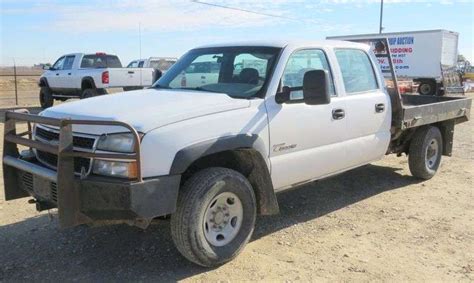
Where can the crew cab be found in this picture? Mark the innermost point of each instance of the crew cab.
(213, 155)
(81, 75)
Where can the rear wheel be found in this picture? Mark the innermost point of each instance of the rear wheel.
(425, 152)
(89, 92)
(215, 216)
(427, 88)
(46, 97)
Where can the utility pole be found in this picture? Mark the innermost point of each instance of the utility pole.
(140, 39)
(16, 86)
(381, 16)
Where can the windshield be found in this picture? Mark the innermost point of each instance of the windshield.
(240, 72)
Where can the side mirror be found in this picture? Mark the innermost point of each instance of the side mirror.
(283, 96)
(316, 87)
(47, 67)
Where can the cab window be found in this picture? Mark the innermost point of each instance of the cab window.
(357, 71)
(59, 64)
(68, 62)
(298, 64)
(133, 64)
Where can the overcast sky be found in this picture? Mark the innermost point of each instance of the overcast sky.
(41, 31)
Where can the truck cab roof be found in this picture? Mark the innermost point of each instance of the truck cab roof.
(292, 43)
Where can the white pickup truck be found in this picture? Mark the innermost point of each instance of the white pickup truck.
(81, 75)
(157, 63)
(212, 156)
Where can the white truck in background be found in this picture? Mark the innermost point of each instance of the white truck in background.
(157, 63)
(80, 75)
(427, 57)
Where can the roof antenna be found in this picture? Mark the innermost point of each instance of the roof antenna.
(381, 16)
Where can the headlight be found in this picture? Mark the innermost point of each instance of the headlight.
(117, 142)
(115, 168)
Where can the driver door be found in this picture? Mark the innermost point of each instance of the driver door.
(54, 75)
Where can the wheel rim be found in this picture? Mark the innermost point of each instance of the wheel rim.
(431, 155)
(223, 219)
(425, 89)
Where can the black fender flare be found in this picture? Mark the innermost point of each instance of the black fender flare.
(43, 82)
(186, 156)
(89, 80)
(249, 157)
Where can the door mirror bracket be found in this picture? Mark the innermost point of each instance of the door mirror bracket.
(283, 96)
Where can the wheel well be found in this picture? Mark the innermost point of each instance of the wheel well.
(425, 80)
(43, 82)
(249, 163)
(87, 83)
(447, 133)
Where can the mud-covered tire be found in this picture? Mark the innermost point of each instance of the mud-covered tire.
(46, 97)
(189, 224)
(424, 156)
(89, 92)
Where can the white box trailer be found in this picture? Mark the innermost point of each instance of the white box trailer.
(428, 57)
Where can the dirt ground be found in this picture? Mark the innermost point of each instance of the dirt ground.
(373, 223)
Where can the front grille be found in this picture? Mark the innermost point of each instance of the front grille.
(83, 142)
(52, 160)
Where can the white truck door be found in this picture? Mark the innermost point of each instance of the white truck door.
(306, 141)
(66, 78)
(368, 107)
(53, 76)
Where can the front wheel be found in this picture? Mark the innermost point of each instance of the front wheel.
(425, 152)
(215, 217)
(46, 97)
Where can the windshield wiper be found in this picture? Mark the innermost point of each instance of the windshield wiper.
(161, 86)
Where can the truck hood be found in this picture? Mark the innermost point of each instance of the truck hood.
(144, 109)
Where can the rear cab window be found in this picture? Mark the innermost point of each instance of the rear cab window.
(358, 73)
(94, 61)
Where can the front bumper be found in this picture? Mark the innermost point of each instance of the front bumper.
(86, 199)
(93, 199)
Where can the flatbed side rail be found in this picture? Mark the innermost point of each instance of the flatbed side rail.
(424, 110)
(68, 196)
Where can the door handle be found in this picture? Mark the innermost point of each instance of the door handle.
(131, 72)
(57, 74)
(379, 108)
(338, 114)
(69, 74)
